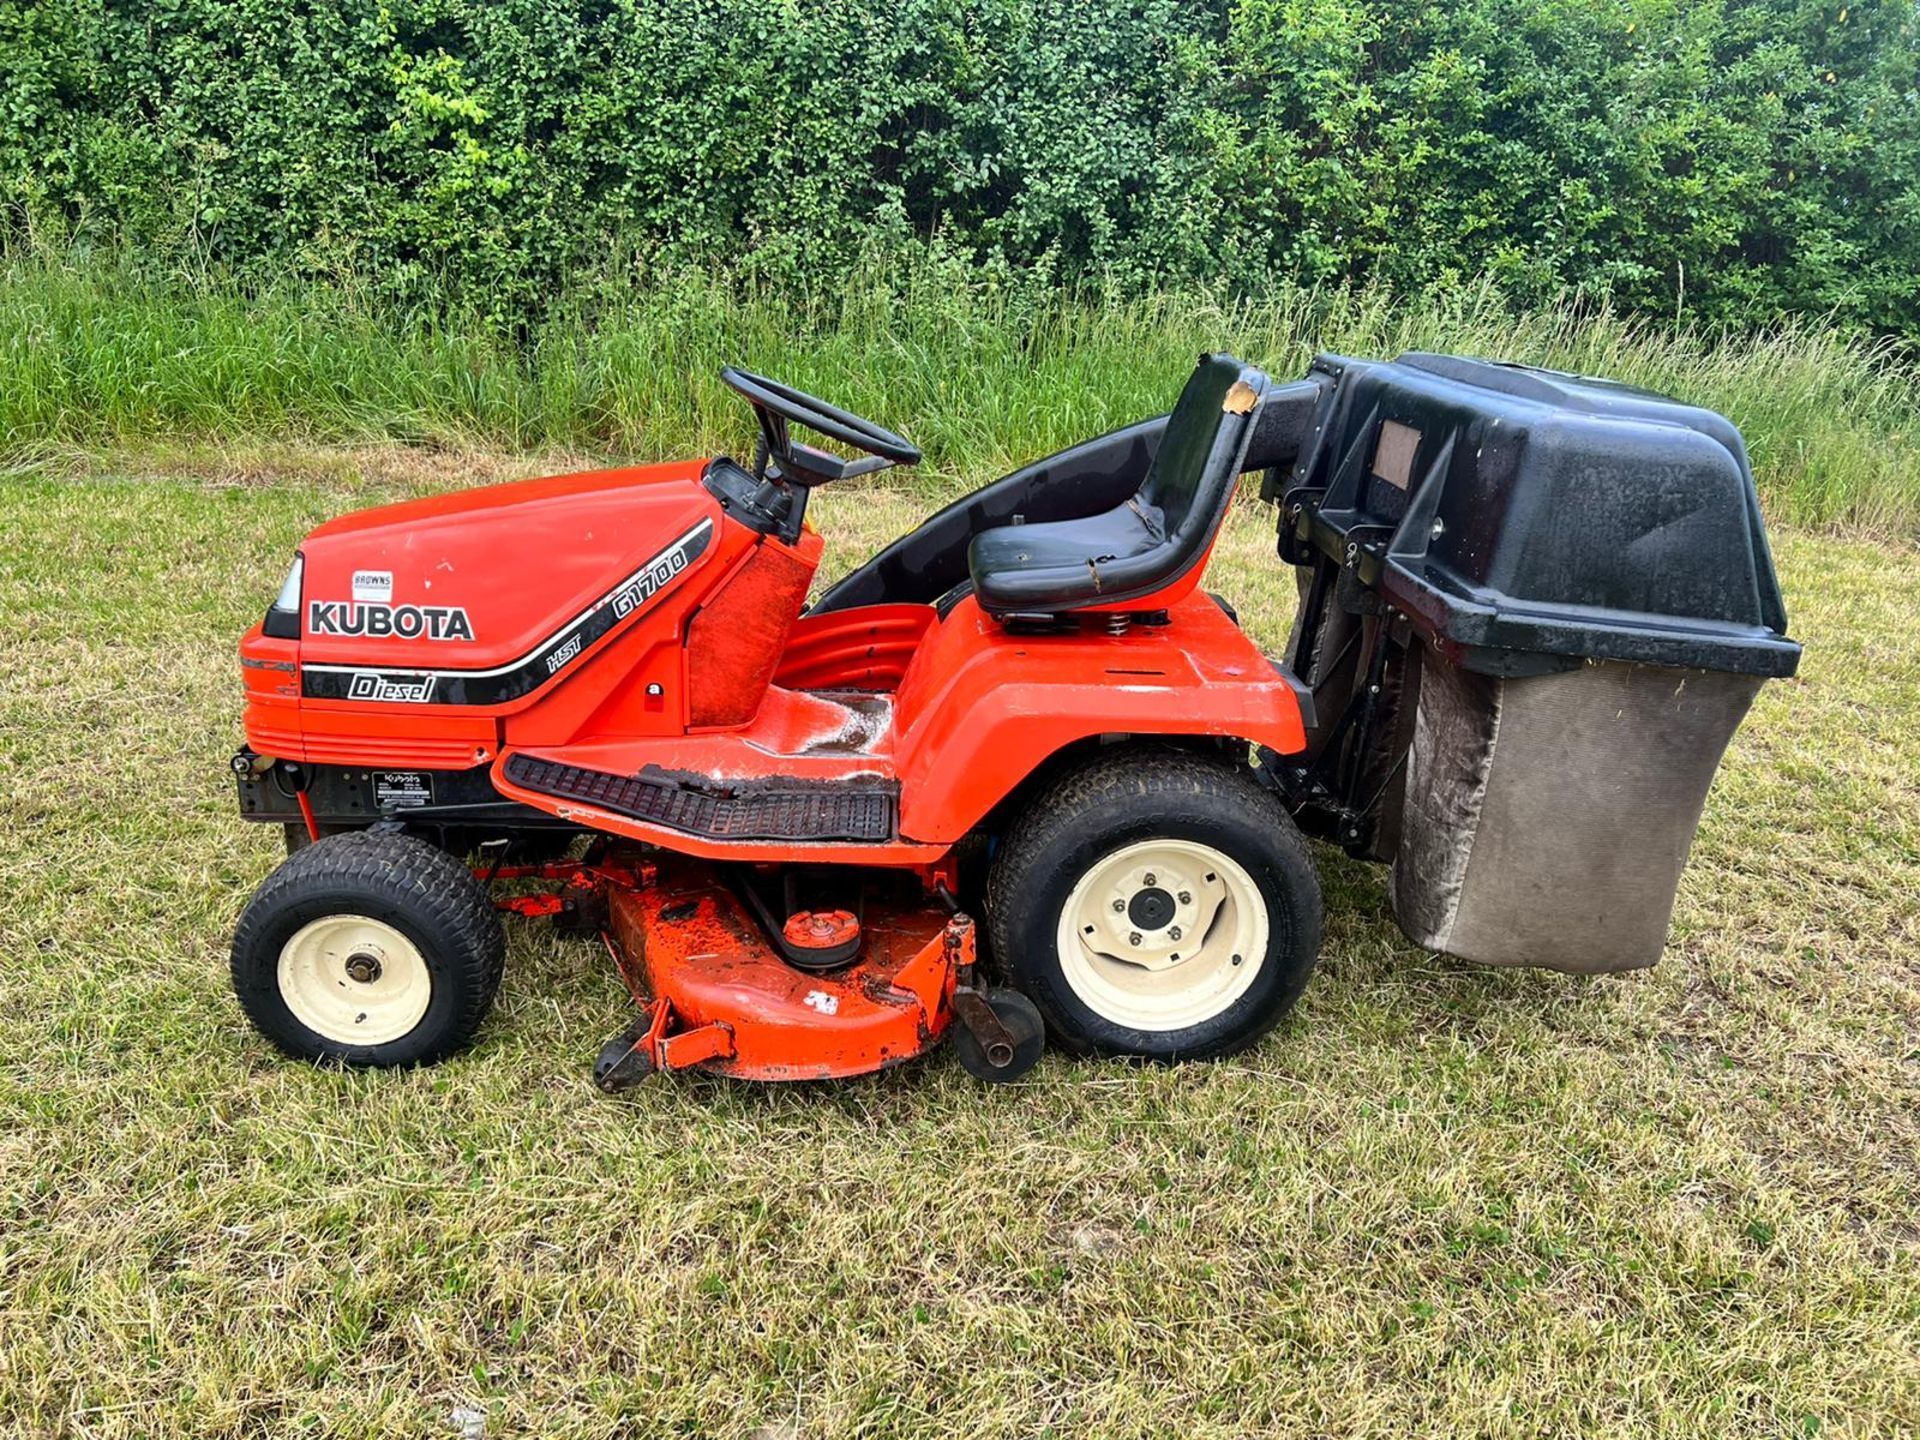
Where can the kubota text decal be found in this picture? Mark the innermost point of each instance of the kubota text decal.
(405, 622)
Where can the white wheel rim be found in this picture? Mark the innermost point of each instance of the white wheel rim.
(1131, 966)
(354, 981)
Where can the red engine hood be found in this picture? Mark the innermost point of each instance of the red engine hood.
(482, 578)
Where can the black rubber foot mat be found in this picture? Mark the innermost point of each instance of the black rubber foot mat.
(796, 812)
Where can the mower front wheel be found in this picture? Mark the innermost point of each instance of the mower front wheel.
(1156, 903)
(368, 949)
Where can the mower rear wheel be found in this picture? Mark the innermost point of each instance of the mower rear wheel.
(369, 949)
(1158, 904)
(1026, 1032)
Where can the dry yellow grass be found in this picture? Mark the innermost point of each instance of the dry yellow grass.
(1441, 1200)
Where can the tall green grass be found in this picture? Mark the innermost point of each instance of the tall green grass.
(983, 373)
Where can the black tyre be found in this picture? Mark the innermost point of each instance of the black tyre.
(369, 949)
(1156, 903)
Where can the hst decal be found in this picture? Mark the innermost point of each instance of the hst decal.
(403, 622)
(566, 652)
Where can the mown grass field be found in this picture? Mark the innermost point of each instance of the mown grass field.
(1441, 1200)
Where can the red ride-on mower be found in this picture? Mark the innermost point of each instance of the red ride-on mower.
(1027, 708)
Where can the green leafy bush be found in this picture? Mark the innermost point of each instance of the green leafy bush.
(1732, 159)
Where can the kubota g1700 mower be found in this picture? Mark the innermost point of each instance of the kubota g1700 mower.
(1533, 609)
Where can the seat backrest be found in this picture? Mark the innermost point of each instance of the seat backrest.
(1193, 473)
(1146, 552)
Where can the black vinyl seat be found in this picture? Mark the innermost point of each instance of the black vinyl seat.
(1159, 534)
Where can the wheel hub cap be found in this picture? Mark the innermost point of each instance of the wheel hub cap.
(1150, 909)
(354, 980)
(1163, 934)
(364, 968)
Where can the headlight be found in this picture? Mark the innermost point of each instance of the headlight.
(283, 620)
(290, 590)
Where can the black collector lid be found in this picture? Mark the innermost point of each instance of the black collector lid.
(1526, 520)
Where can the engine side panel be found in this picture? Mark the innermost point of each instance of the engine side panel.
(490, 583)
(436, 631)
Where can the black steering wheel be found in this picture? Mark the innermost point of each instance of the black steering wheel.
(775, 405)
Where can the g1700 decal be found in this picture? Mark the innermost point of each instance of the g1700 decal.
(406, 622)
(484, 687)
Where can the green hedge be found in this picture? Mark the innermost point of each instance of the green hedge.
(1730, 160)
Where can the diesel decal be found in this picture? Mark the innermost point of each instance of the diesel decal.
(407, 622)
(400, 689)
(319, 681)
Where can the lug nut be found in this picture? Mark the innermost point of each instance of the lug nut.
(1134, 938)
(1148, 877)
(1186, 897)
(1119, 905)
(1173, 932)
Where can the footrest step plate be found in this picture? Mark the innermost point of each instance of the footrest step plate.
(836, 811)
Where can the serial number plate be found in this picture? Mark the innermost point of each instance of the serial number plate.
(402, 788)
